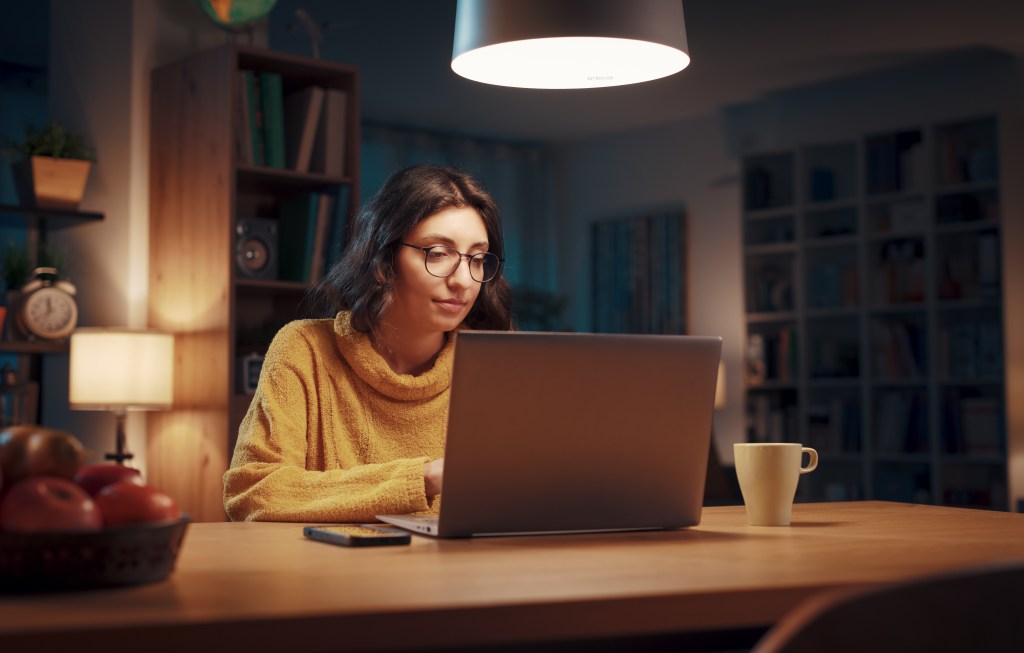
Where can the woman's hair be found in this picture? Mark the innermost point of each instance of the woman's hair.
(363, 281)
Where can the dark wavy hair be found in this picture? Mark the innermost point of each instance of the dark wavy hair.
(363, 280)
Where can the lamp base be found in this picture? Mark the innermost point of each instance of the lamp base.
(121, 454)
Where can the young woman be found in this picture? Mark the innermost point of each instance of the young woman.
(348, 419)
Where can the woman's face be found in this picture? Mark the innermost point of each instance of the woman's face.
(423, 302)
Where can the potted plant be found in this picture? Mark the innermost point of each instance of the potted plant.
(52, 167)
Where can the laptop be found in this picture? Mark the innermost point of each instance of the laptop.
(574, 432)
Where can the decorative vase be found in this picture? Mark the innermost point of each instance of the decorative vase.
(48, 183)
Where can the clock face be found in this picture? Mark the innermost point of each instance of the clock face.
(50, 313)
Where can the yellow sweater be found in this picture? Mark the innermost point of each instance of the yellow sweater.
(333, 434)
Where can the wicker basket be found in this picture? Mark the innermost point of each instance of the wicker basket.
(124, 555)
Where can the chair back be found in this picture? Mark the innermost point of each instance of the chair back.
(976, 609)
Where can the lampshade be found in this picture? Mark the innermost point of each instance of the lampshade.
(568, 43)
(121, 369)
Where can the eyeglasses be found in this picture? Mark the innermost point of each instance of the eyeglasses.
(442, 261)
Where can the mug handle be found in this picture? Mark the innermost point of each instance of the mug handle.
(812, 464)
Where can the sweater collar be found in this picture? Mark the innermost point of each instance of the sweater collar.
(372, 369)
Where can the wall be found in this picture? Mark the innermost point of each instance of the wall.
(685, 163)
(697, 163)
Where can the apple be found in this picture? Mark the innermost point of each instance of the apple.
(94, 477)
(48, 503)
(33, 450)
(128, 502)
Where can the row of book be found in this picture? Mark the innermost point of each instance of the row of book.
(772, 356)
(899, 274)
(768, 421)
(639, 274)
(834, 425)
(895, 162)
(973, 425)
(311, 237)
(832, 285)
(901, 422)
(770, 286)
(971, 350)
(899, 350)
(301, 129)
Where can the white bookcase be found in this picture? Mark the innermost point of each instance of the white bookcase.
(874, 312)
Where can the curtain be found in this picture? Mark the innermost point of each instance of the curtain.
(518, 176)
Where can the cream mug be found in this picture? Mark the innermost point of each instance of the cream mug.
(768, 475)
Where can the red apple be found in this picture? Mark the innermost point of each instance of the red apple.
(127, 502)
(33, 450)
(93, 478)
(48, 503)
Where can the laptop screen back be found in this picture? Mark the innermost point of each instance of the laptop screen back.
(576, 432)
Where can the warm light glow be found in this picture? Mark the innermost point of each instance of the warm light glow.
(118, 369)
(570, 62)
(720, 387)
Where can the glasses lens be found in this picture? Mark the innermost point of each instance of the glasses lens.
(441, 261)
(484, 267)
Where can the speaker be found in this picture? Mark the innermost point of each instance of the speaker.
(256, 248)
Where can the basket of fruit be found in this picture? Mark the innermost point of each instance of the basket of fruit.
(67, 525)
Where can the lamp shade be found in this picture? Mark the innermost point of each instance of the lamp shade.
(568, 43)
(121, 369)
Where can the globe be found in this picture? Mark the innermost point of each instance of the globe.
(236, 14)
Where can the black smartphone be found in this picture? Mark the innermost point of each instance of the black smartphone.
(357, 534)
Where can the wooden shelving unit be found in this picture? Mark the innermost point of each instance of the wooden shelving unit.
(38, 222)
(874, 293)
(199, 189)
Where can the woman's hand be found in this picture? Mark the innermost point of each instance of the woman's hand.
(433, 474)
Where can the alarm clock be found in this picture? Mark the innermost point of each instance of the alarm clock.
(47, 310)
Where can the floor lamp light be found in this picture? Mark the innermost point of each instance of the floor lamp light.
(121, 370)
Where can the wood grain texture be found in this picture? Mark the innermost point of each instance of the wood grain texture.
(263, 587)
(191, 209)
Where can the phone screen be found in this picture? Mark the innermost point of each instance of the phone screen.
(357, 534)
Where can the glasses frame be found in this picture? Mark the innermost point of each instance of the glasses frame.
(470, 257)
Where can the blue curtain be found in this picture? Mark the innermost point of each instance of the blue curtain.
(518, 176)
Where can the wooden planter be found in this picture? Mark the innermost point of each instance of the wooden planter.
(48, 183)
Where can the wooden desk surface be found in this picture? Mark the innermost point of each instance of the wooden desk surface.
(257, 587)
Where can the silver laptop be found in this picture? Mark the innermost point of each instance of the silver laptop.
(574, 432)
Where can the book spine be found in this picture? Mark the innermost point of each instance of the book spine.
(273, 118)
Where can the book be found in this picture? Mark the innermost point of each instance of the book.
(298, 219)
(243, 130)
(324, 218)
(271, 90)
(329, 147)
(255, 103)
(302, 110)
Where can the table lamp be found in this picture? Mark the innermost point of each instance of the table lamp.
(121, 370)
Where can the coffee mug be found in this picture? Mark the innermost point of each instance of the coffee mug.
(768, 475)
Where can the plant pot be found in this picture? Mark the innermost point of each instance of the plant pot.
(47, 183)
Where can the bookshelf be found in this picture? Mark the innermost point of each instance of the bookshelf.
(874, 312)
(236, 239)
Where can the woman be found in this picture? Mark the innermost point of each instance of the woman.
(348, 419)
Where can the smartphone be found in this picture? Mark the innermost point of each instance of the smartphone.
(357, 534)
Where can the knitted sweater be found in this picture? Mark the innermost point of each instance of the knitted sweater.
(333, 434)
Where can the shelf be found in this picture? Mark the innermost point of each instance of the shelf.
(770, 317)
(261, 179)
(51, 218)
(33, 347)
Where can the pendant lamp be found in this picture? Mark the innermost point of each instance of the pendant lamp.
(568, 43)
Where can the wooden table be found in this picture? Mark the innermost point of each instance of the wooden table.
(263, 587)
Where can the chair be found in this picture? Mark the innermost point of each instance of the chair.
(976, 609)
